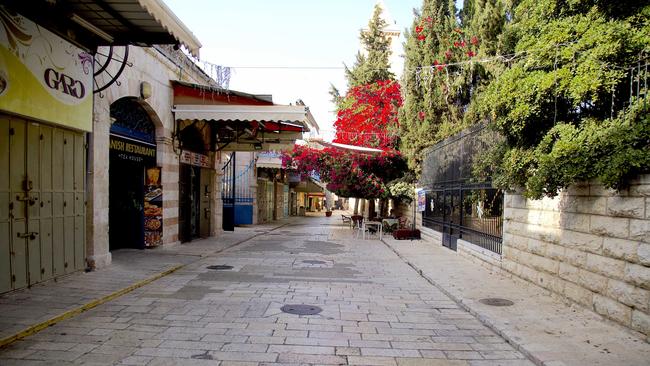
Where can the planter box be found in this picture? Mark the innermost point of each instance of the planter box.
(402, 234)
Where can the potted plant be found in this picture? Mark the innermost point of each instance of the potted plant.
(328, 212)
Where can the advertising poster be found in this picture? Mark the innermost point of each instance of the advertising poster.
(421, 200)
(153, 208)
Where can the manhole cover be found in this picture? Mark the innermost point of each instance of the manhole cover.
(311, 261)
(220, 267)
(495, 301)
(301, 309)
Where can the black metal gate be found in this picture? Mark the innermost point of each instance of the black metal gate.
(228, 194)
(455, 206)
(451, 222)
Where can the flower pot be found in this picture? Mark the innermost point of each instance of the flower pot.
(328, 213)
(402, 234)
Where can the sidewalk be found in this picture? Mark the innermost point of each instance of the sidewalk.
(45, 303)
(543, 328)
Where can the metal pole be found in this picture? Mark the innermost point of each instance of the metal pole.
(233, 162)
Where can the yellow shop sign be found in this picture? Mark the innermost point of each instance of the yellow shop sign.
(43, 76)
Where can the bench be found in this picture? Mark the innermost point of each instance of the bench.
(346, 219)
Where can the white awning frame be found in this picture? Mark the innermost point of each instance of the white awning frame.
(168, 20)
(262, 113)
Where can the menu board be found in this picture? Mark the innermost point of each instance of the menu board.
(153, 208)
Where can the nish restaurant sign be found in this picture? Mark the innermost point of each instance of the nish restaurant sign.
(132, 150)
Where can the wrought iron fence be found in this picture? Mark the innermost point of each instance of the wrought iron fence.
(455, 205)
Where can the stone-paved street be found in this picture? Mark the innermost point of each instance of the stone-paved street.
(376, 311)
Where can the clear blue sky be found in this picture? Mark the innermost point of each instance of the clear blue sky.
(285, 33)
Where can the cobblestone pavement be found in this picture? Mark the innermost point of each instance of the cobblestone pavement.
(376, 310)
(24, 308)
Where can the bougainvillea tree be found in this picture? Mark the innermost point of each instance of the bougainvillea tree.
(370, 118)
(348, 174)
(367, 112)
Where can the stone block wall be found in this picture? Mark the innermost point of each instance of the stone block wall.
(590, 245)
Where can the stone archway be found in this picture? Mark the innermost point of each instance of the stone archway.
(132, 149)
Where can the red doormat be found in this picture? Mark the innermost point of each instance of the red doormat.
(402, 234)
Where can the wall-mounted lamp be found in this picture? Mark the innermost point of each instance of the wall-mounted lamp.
(145, 90)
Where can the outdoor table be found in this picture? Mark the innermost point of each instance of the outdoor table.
(367, 224)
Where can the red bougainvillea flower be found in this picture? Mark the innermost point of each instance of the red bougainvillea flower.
(474, 40)
(370, 116)
(471, 54)
(456, 44)
(421, 37)
(448, 54)
(418, 29)
(348, 174)
(463, 44)
(421, 115)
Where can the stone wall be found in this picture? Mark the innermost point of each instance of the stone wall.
(590, 245)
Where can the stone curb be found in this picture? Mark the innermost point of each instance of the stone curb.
(33, 329)
(76, 311)
(483, 319)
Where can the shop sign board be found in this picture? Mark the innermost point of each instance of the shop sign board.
(132, 150)
(43, 76)
(192, 158)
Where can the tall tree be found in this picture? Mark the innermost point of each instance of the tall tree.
(425, 107)
(441, 79)
(373, 65)
(367, 114)
(567, 102)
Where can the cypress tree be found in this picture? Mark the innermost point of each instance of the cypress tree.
(374, 65)
(425, 100)
(440, 82)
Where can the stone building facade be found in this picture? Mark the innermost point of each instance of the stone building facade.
(155, 66)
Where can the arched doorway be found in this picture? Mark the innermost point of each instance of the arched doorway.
(132, 151)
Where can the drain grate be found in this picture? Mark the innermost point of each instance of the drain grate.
(312, 261)
(301, 309)
(495, 301)
(220, 267)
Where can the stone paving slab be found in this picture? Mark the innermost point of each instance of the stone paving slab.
(24, 308)
(376, 311)
(545, 328)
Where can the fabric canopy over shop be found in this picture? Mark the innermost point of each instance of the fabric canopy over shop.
(238, 121)
(269, 161)
(292, 117)
(309, 186)
(110, 22)
(250, 127)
